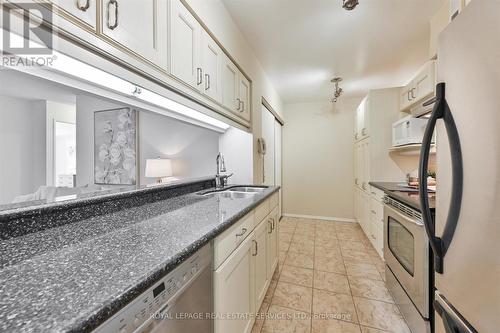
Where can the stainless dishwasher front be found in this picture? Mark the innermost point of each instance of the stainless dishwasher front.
(179, 302)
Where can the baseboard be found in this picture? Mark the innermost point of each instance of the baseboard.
(325, 218)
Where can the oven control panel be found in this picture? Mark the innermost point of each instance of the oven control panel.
(157, 300)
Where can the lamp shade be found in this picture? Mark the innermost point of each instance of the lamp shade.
(158, 167)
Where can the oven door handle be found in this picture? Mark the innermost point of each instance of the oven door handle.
(441, 244)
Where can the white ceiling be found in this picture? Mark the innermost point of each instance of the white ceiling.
(303, 44)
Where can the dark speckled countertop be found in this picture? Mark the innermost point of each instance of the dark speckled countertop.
(72, 277)
(404, 194)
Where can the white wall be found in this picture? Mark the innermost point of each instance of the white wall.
(236, 146)
(318, 159)
(219, 21)
(22, 147)
(192, 148)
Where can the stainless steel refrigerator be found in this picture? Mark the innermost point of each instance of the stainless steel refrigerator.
(465, 235)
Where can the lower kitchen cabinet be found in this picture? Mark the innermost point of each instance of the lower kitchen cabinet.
(260, 254)
(234, 290)
(243, 274)
(369, 212)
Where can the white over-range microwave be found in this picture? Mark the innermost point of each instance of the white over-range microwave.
(408, 130)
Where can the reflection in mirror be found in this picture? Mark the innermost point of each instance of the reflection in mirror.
(60, 143)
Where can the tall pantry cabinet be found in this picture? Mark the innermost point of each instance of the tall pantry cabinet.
(372, 161)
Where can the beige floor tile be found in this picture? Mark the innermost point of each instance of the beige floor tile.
(332, 253)
(356, 256)
(259, 320)
(284, 246)
(297, 275)
(338, 306)
(286, 237)
(333, 326)
(284, 320)
(363, 270)
(299, 260)
(365, 329)
(337, 283)
(304, 238)
(381, 315)
(293, 296)
(329, 264)
(347, 245)
(369, 288)
(307, 248)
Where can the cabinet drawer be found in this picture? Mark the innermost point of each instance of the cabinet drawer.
(273, 201)
(376, 210)
(262, 211)
(230, 239)
(377, 194)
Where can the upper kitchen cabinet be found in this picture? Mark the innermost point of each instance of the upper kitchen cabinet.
(185, 35)
(79, 12)
(212, 62)
(138, 27)
(243, 108)
(230, 85)
(420, 87)
(362, 120)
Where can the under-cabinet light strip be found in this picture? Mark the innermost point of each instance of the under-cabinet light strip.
(76, 68)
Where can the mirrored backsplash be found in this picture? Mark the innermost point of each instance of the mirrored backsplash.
(59, 143)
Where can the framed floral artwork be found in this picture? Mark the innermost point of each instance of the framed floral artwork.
(115, 147)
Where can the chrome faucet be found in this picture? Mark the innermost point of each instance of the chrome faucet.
(221, 180)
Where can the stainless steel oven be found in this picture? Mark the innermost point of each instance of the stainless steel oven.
(406, 254)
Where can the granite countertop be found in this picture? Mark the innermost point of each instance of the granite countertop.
(73, 277)
(405, 194)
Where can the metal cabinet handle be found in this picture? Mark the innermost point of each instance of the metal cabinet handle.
(356, 181)
(242, 106)
(207, 81)
(413, 96)
(256, 247)
(199, 76)
(373, 212)
(115, 3)
(270, 224)
(408, 95)
(84, 7)
(239, 104)
(243, 231)
(373, 236)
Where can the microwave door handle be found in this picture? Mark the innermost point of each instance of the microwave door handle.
(441, 244)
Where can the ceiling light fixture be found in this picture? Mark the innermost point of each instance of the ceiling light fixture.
(338, 91)
(349, 4)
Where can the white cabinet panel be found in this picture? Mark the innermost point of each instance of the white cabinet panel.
(234, 289)
(185, 34)
(260, 257)
(244, 98)
(212, 59)
(83, 11)
(230, 84)
(272, 240)
(140, 27)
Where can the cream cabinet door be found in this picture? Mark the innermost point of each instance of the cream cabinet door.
(230, 85)
(244, 98)
(425, 82)
(185, 34)
(272, 241)
(366, 166)
(260, 256)
(79, 11)
(212, 58)
(138, 26)
(234, 289)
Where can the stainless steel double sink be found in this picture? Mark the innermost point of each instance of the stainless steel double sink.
(236, 192)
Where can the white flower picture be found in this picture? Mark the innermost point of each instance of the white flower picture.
(115, 159)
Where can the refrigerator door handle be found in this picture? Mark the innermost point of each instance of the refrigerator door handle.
(441, 244)
(452, 321)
